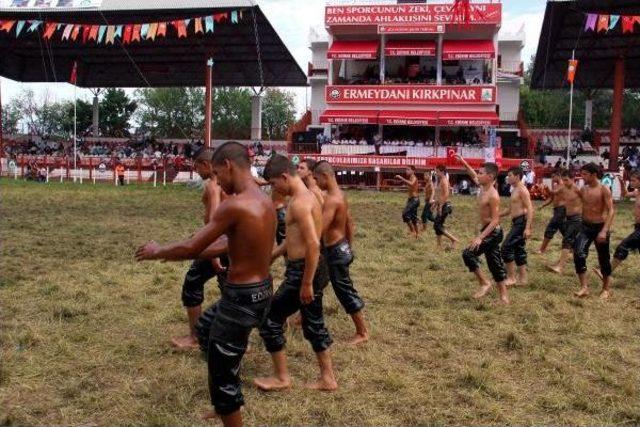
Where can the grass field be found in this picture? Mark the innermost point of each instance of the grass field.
(84, 330)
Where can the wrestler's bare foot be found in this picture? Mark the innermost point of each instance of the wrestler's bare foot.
(539, 252)
(358, 339)
(510, 282)
(554, 268)
(504, 300)
(484, 290)
(186, 342)
(272, 383)
(209, 415)
(323, 384)
(582, 293)
(598, 273)
(605, 294)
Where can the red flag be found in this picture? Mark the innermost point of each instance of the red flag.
(50, 28)
(93, 33)
(75, 32)
(219, 17)
(128, 30)
(627, 24)
(162, 29)
(74, 73)
(571, 72)
(85, 33)
(603, 23)
(7, 25)
(181, 28)
(135, 34)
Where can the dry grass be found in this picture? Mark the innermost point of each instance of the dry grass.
(84, 330)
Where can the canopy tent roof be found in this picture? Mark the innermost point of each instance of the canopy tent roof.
(597, 52)
(164, 62)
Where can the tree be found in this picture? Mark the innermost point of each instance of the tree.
(171, 112)
(278, 113)
(42, 117)
(232, 113)
(10, 118)
(116, 110)
(84, 113)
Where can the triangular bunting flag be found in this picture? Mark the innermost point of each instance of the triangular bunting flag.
(58, 26)
(162, 29)
(101, 31)
(73, 79)
(34, 26)
(111, 34)
(208, 21)
(613, 21)
(67, 32)
(75, 32)
(198, 26)
(153, 29)
(144, 30)
(19, 27)
(603, 23)
(636, 19)
(219, 17)
(93, 32)
(592, 20)
(128, 30)
(135, 33)
(627, 24)
(50, 29)
(241, 13)
(187, 22)
(7, 26)
(86, 29)
(119, 31)
(181, 28)
(234, 16)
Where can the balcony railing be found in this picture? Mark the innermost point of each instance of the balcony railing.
(508, 116)
(513, 67)
(318, 67)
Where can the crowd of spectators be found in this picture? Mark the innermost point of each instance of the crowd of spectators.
(415, 74)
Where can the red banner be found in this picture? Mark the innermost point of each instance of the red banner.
(486, 13)
(410, 51)
(411, 29)
(411, 94)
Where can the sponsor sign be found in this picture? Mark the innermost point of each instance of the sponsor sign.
(410, 51)
(411, 94)
(412, 29)
(396, 14)
(457, 56)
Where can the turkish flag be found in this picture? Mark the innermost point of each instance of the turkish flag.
(571, 72)
(73, 79)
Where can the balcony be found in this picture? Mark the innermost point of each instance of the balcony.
(512, 67)
(508, 116)
(318, 68)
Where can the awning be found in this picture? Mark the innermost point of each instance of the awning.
(354, 49)
(350, 117)
(408, 118)
(467, 49)
(468, 118)
(410, 48)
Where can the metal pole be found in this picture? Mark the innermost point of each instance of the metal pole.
(75, 121)
(616, 113)
(573, 57)
(1, 136)
(207, 103)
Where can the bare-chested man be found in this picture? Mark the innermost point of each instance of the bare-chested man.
(298, 290)
(305, 171)
(489, 239)
(559, 211)
(429, 201)
(278, 199)
(514, 250)
(248, 221)
(201, 270)
(632, 242)
(410, 212)
(573, 222)
(597, 218)
(337, 237)
(443, 207)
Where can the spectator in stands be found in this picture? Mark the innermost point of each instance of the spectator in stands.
(464, 188)
(529, 178)
(558, 164)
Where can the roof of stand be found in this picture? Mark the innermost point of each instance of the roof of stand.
(163, 62)
(563, 31)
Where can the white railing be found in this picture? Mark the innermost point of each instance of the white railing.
(315, 117)
(320, 64)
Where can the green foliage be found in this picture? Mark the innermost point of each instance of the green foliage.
(10, 117)
(116, 109)
(171, 112)
(278, 113)
(232, 113)
(84, 111)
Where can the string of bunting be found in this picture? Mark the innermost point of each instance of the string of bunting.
(126, 33)
(604, 23)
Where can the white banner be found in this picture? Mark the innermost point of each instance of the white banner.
(49, 4)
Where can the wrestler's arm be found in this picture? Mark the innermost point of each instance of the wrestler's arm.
(192, 247)
(216, 249)
(303, 216)
(216, 198)
(406, 181)
(206, 198)
(279, 250)
(472, 174)
(260, 181)
(526, 200)
(608, 201)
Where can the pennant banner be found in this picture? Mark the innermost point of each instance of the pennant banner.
(606, 23)
(130, 33)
